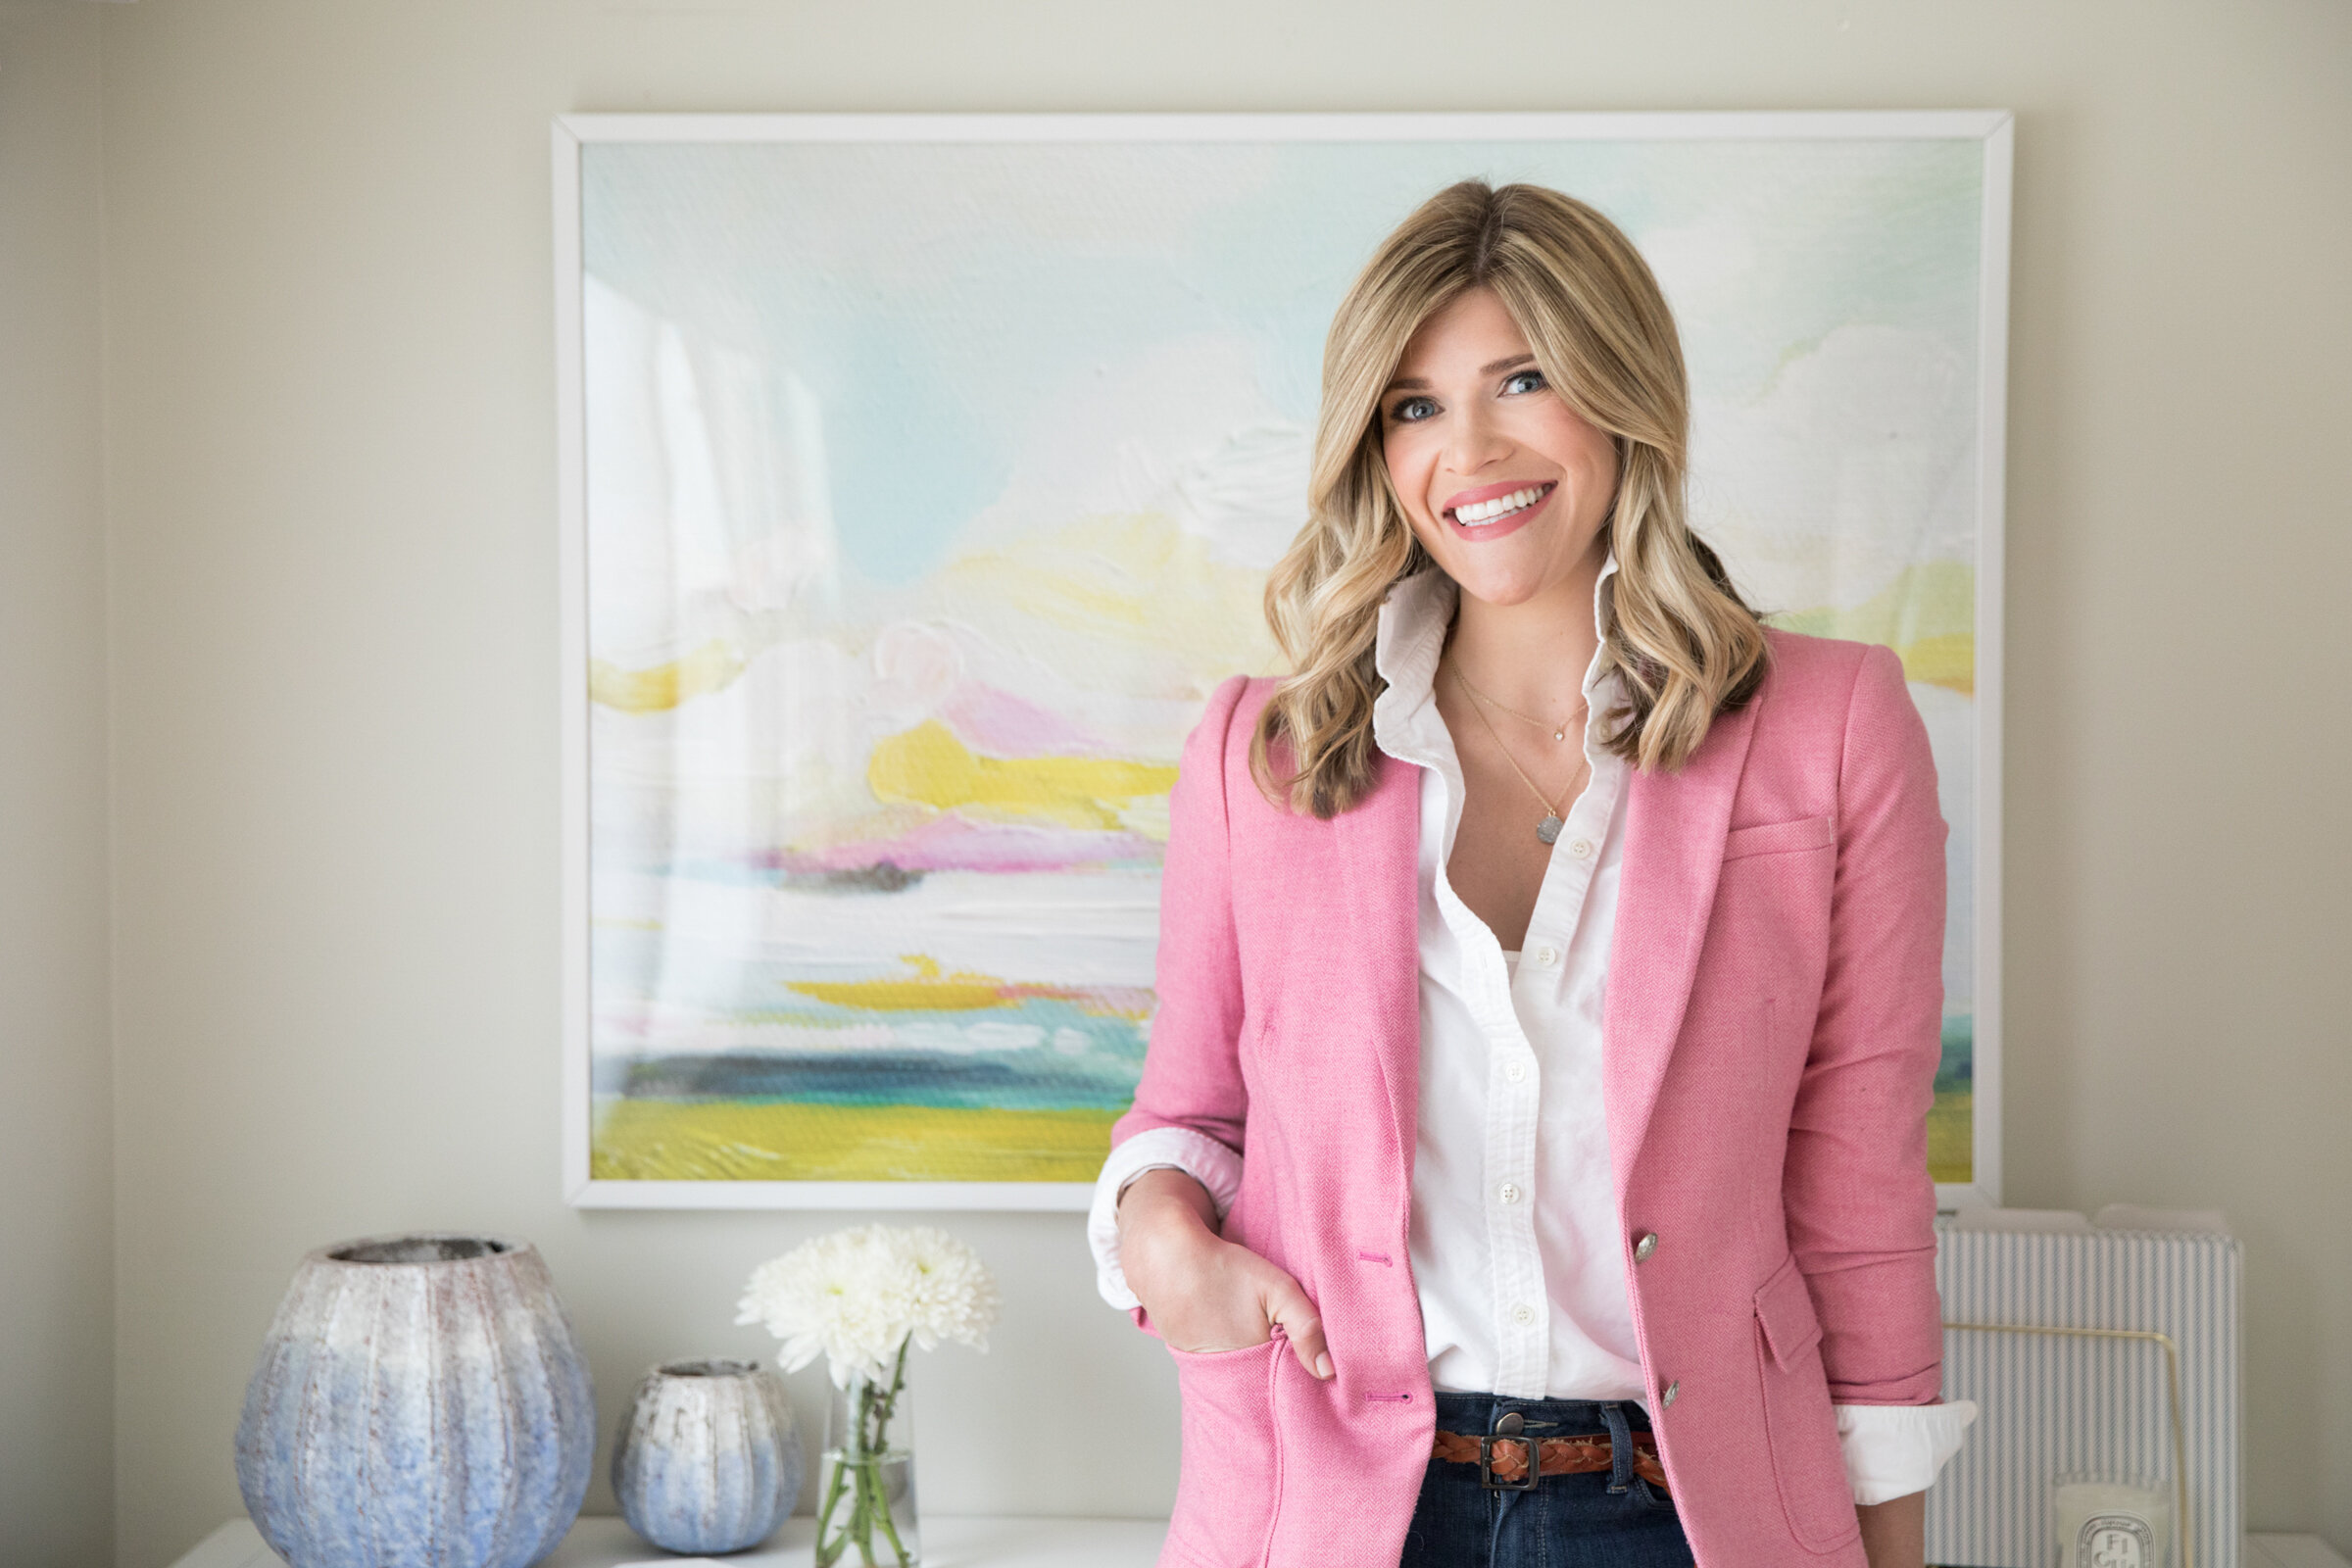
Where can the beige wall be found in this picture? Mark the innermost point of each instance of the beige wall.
(330, 405)
(56, 1129)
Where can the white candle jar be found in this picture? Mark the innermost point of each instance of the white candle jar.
(2108, 1523)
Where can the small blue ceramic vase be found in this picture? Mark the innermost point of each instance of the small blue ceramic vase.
(419, 1403)
(709, 1457)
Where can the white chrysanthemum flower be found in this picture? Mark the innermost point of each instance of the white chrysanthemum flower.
(855, 1296)
(956, 1297)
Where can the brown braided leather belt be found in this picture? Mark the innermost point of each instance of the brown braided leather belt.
(1504, 1457)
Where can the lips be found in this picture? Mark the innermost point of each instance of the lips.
(1492, 505)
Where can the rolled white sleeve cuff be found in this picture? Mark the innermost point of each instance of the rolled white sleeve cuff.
(1197, 1154)
(1892, 1450)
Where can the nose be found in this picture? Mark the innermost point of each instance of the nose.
(1473, 439)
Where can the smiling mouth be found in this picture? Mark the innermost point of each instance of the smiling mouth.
(1485, 513)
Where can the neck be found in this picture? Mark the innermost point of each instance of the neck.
(1532, 655)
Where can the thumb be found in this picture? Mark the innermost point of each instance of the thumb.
(1287, 1306)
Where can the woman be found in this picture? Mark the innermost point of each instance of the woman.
(1549, 988)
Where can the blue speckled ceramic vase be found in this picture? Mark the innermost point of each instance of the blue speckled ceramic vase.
(708, 1457)
(421, 1403)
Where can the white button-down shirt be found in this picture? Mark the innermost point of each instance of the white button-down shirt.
(1513, 1240)
(1514, 1225)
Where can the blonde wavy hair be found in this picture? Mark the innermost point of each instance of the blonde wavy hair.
(1682, 642)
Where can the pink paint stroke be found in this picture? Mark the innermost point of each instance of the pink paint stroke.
(948, 843)
(1005, 725)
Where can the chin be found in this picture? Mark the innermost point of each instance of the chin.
(1498, 588)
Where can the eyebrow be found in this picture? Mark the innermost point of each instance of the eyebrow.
(1416, 383)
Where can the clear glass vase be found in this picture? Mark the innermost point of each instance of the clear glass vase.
(865, 1476)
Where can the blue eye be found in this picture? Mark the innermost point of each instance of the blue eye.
(1534, 380)
(1410, 409)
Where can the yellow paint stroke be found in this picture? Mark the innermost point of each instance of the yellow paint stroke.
(658, 688)
(927, 990)
(1951, 1137)
(1927, 616)
(924, 991)
(1949, 662)
(1135, 580)
(927, 765)
(654, 1140)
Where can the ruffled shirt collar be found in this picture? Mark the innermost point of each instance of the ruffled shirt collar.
(1411, 640)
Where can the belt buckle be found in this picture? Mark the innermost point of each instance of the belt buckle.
(1512, 1428)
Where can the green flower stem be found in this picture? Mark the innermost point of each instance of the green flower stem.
(826, 1556)
(860, 1466)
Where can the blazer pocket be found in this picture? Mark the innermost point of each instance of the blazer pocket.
(1780, 838)
(1231, 1469)
(1801, 1428)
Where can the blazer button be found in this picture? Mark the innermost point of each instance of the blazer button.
(1647, 1245)
(1672, 1389)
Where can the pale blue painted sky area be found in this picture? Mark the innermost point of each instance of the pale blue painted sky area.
(932, 297)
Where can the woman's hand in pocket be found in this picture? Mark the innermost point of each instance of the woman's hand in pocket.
(1203, 1293)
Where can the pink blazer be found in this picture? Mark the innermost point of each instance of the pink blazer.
(1771, 1037)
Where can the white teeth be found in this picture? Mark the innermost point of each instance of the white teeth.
(1480, 512)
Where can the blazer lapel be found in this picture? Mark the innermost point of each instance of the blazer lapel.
(1381, 917)
(1674, 832)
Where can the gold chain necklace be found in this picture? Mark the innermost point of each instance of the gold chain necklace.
(1559, 732)
(1548, 830)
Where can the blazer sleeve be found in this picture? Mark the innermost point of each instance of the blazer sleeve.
(1860, 1204)
(1192, 1068)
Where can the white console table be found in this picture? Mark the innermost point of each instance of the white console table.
(2290, 1551)
(967, 1542)
(948, 1541)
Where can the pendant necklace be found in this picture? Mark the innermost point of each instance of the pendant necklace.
(1559, 731)
(1548, 830)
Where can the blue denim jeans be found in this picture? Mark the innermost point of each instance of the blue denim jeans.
(1602, 1519)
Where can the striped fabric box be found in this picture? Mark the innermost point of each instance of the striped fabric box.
(2055, 1404)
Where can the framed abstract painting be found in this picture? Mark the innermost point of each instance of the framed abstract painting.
(919, 479)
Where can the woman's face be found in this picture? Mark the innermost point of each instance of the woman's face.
(1505, 485)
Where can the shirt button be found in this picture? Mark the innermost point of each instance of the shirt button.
(1547, 957)
(1516, 1072)
(1523, 1314)
(1508, 1192)
(1672, 1389)
(1582, 849)
(1647, 1245)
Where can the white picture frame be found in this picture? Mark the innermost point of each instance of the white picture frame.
(1985, 136)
